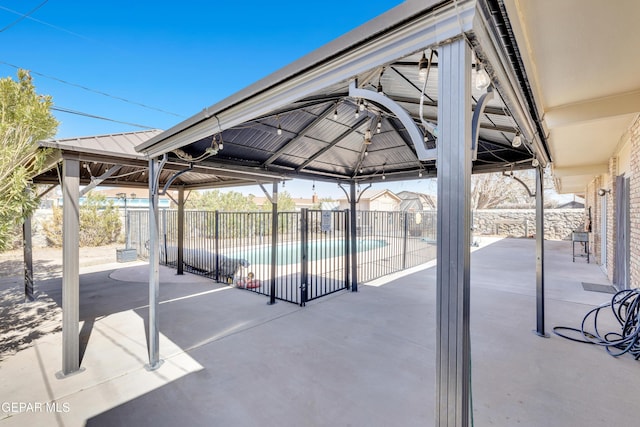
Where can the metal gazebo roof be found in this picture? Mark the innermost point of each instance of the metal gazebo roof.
(112, 160)
(304, 122)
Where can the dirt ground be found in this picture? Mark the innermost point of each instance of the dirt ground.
(47, 262)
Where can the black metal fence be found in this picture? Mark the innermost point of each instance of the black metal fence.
(389, 242)
(312, 251)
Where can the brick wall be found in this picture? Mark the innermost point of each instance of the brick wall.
(611, 216)
(634, 203)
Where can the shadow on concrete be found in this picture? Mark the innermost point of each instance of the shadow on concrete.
(22, 322)
(13, 270)
(368, 358)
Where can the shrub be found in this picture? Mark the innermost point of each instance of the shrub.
(99, 223)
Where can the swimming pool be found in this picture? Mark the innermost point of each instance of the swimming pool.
(289, 253)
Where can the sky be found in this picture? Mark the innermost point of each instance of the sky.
(154, 64)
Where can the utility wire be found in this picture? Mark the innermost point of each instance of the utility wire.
(27, 15)
(55, 27)
(94, 91)
(22, 15)
(93, 116)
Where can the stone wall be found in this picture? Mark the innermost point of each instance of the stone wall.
(558, 223)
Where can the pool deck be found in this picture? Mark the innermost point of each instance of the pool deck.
(349, 359)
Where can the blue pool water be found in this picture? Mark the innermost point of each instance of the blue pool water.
(290, 253)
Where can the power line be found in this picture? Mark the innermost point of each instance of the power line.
(95, 91)
(22, 15)
(93, 116)
(46, 23)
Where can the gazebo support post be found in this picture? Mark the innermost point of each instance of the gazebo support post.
(70, 265)
(540, 253)
(453, 351)
(27, 247)
(155, 166)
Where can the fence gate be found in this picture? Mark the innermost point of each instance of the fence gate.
(324, 248)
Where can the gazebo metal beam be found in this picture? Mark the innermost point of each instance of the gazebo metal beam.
(325, 113)
(414, 132)
(331, 144)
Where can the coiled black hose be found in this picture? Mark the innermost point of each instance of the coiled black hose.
(625, 306)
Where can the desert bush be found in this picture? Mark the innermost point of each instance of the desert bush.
(99, 223)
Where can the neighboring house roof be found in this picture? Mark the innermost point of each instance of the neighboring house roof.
(571, 205)
(416, 201)
(372, 195)
(330, 206)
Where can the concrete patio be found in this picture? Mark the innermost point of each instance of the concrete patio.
(350, 359)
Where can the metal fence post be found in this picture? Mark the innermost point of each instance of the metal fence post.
(405, 237)
(274, 243)
(217, 243)
(304, 273)
(347, 252)
(164, 235)
(354, 238)
(180, 259)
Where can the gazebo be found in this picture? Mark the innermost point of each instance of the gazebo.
(428, 89)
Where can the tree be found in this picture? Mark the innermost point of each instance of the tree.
(495, 190)
(285, 203)
(491, 190)
(318, 204)
(25, 119)
(216, 200)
